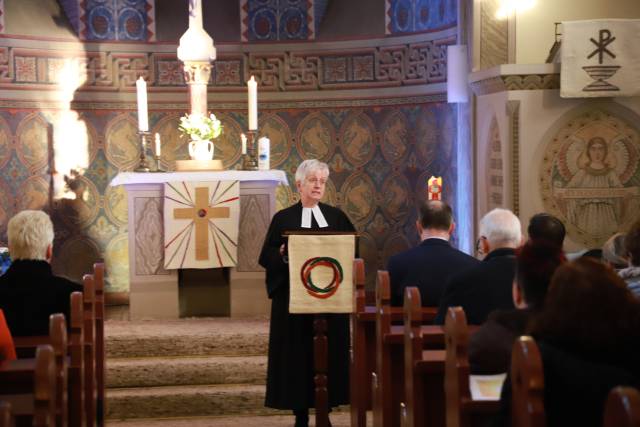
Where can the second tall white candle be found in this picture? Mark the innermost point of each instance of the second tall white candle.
(252, 88)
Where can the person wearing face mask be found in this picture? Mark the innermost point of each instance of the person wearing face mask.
(290, 368)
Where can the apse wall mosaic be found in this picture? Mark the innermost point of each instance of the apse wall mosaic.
(380, 158)
(111, 20)
(410, 16)
(590, 172)
(272, 20)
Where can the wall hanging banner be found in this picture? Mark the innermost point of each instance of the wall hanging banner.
(600, 58)
(201, 224)
(320, 273)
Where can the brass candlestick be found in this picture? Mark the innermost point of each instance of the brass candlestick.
(159, 167)
(250, 159)
(143, 166)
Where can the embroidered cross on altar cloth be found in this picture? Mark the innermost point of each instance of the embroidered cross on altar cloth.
(201, 224)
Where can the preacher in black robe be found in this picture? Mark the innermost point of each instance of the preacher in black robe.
(290, 368)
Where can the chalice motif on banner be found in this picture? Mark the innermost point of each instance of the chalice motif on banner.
(600, 73)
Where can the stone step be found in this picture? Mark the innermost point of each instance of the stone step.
(151, 372)
(337, 420)
(186, 337)
(186, 401)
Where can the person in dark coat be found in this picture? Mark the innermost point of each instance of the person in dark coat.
(490, 346)
(430, 264)
(587, 332)
(29, 292)
(544, 226)
(290, 369)
(486, 286)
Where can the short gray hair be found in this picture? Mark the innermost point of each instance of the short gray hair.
(501, 228)
(310, 166)
(29, 234)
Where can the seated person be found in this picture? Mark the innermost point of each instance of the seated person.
(490, 346)
(7, 349)
(29, 292)
(430, 264)
(486, 286)
(544, 226)
(631, 274)
(614, 252)
(587, 332)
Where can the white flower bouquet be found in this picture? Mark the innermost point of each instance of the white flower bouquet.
(200, 127)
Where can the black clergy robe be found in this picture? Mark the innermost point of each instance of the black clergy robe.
(290, 368)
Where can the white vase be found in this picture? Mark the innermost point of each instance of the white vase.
(200, 149)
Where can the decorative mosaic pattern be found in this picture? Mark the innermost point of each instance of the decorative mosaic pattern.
(494, 36)
(590, 174)
(1, 16)
(110, 20)
(495, 170)
(271, 20)
(403, 64)
(378, 171)
(410, 16)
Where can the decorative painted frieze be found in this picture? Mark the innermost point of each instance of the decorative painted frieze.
(411, 16)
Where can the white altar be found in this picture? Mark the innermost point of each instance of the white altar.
(153, 290)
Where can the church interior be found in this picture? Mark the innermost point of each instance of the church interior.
(387, 93)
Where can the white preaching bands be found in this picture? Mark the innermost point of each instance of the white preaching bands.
(317, 214)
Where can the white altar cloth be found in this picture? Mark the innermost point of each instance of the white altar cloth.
(124, 178)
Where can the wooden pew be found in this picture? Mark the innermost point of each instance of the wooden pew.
(622, 408)
(424, 401)
(6, 417)
(527, 384)
(461, 409)
(388, 379)
(363, 351)
(29, 385)
(98, 274)
(90, 391)
(76, 362)
(26, 347)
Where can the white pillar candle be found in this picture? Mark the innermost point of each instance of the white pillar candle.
(143, 115)
(158, 148)
(252, 86)
(244, 143)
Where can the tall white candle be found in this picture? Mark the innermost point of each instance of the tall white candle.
(244, 143)
(158, 148)
(143, 115)
(252, 86)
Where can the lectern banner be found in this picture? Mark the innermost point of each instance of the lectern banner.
(201, 224)
(320, 271)
(600, 58)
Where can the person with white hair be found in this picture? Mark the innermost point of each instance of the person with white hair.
(290, 368)
(486, 286)
(29, 292)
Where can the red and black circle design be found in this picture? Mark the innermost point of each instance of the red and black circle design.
(332, 287)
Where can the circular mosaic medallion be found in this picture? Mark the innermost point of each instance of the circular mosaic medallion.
(34, 194)
(101, 23)
(33, 142)
(315, 137)
(5, 142)
(122, 145)
(590, 173)
(115, 205)
(368, 251)
(81, 210)
(426, 136)
(75, 258)
(396, 199)
(395, 244)
(172, 143)
(495, 172)
(359, 197)
(228, 146)
(284, 197)
(395, 137)
(278, 133)
(131, 25)
(263, 24)
(357, 138)
(403, 15)
(292, 23)
(116, 258)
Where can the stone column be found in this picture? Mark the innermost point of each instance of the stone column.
(196, 74)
